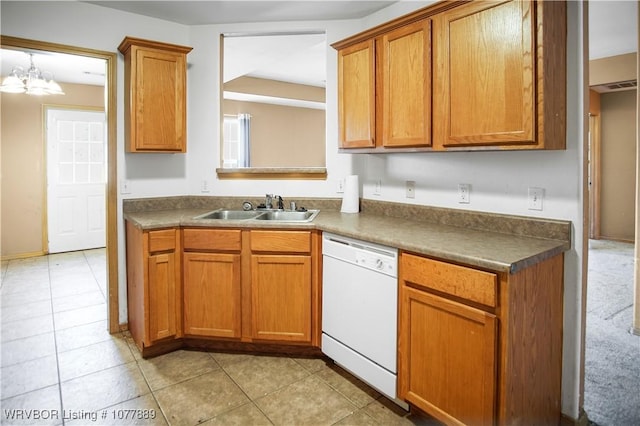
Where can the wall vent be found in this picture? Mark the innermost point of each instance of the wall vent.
(616, 87)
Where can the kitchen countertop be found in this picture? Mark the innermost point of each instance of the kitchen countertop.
(494, 251)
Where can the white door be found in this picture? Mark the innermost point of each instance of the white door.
(76, 179)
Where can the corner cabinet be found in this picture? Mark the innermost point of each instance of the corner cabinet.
(478, 347)
(154, 296)
(457, 76)
(155, 95)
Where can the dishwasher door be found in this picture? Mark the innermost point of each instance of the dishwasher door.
(360, 298)
(359, 310)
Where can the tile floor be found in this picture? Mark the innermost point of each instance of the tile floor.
(60, 366)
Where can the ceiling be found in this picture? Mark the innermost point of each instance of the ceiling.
(612, 29)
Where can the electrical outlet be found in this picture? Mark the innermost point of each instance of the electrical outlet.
(534, 200)
(411, 189)
(377, 189)
(464, 193)
(204, 186)
(340, 188)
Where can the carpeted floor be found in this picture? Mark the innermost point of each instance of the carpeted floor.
(612, 358)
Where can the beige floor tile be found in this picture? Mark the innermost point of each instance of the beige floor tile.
(68, 303)
(176, 367)
(82, 335)
(40, 407)
(24, 328)
(248, 414)
(138, 411)
(28, 376)
(27, 349)
(92, 358)
(104, 388)
(358, 392)
(312, 364)
(26, 311)
(260, 375)
(386, 412)
(199, 399)
(81, 316)
(307, 402)
(225, 359)
(359, 418)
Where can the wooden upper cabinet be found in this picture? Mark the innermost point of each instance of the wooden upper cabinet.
(458, 76)
(155, 95)
(405, 73)
(496, 76)
(356, 102)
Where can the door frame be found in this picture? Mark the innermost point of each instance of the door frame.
(110, 59)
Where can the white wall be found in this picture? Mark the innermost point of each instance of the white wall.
(499, 180)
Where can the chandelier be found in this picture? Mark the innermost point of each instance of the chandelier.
(33, 81)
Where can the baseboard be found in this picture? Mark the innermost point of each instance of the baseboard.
(22, 255)
(582, 420)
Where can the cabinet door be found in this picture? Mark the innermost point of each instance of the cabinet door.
(447, 358)
(356, 95)
(163, 297)
(484, 78)
(406, 86)
(159, 92)
(281, 297)
(212, 303)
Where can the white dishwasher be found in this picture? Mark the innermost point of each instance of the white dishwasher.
(360, 309)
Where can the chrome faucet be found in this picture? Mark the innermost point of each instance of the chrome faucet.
(280, 202)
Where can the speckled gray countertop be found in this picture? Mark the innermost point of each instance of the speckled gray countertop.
(482, 248)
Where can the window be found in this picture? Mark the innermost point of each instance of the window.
(237, 141)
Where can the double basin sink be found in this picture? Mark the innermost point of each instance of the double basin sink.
(270, 215)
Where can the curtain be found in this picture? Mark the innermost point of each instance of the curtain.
(244, 143)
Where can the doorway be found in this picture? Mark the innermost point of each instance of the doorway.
(76, 178)
(111, 223)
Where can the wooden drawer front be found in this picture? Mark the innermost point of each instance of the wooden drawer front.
(212, 239)
(164, 240)
(281, 241)
(467, 283)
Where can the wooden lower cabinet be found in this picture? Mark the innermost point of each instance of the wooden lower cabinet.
(478, 347)
(212, 302)
(233, 288)
(154, 285)
(281, 297)
(283, 286)
(451, 351)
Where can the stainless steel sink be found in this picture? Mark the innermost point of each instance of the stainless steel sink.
(289, 216)
(274, 215)
(230, 215)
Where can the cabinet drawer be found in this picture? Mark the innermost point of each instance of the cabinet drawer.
(164, 240)
(212, 239)
(460, 281)
(281, 241)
